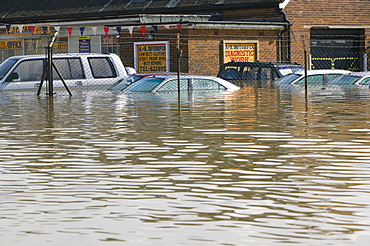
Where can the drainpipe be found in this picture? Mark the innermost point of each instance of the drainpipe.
(287, 30)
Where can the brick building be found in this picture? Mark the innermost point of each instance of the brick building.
(336, 33)
(149, 34)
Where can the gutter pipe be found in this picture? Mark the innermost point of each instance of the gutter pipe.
(287, 29)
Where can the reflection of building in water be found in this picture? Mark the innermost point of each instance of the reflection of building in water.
(248, 112)
(251, 108)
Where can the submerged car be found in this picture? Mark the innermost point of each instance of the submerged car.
(319, 77)
(354, 79)
(256, 72)
(169, 83)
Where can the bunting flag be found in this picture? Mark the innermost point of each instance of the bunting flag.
(94, 29)
(7, 27)
(131, 29)
(106, 30)
(82, 29)
(57, 28)
(32, 29)
(179, 26)
(20, 28)
(143, 29)
(118, 28)
(69, 29)
(44, 30)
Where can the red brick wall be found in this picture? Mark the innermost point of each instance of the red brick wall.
(345, 13)
(202, 48)
(204, 57)
(205, 54)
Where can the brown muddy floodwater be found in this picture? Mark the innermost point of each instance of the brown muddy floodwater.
(253, 167)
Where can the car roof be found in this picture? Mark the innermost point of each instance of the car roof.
(152, 74)
(170, 76)
(327, 71)
(365, 73)
(62, 55)
(167, 77)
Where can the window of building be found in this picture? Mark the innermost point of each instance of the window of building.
(33, 47)
(60, 45)
(110, 44)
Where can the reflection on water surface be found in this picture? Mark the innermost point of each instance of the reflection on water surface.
(256, 166)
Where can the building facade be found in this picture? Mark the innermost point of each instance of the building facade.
(152, 36)
(335, 33)
(155, 36)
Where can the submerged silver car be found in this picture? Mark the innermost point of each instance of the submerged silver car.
(354, 79)
(319, 77)
(169, 83)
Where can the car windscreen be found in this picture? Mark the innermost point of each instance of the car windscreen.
(230, 72)
(5, 66)
(287, 79)
(146, 84)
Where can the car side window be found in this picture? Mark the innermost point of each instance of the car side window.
(63, 68)
(332, 76)
(312, 80)
(102, 67)
(206, 84)
(229, 73)
(75, 65)
(265, 74)
(29, 70)
(69, 68)
(171, 85)
(250, 73)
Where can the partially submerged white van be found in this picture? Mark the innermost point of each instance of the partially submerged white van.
(76, 69)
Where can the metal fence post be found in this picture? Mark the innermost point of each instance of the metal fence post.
(365, 62)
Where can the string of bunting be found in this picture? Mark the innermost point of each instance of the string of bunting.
(45, 29)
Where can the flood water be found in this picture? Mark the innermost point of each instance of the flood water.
(252, 167)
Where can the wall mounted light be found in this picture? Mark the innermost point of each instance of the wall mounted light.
(151, 35)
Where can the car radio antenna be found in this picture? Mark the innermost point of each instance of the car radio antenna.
(48, 69)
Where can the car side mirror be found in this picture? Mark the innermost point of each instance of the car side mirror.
(12, 77)
(130, 70)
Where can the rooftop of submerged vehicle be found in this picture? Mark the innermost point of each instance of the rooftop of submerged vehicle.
(250, 71)
(169, 83)
(317, 77)
(122, 84)
(351, 79)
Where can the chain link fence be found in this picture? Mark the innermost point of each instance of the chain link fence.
(100, 74)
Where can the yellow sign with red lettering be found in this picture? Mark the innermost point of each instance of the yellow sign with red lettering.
(240, 52)
(151, 57)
